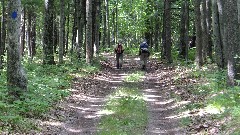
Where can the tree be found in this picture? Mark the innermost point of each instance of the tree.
(61, 34)
(203, 14)
(217, 35)
(199, 57)
(16, 77)
(184, 29)
(89, 33)
(3, 34)
(97, 27)
(168, 31)
(231, 34)
(48, 33)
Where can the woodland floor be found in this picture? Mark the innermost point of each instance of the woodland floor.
(79, 113)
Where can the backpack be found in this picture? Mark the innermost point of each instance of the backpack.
(119, 49)
(144, 47)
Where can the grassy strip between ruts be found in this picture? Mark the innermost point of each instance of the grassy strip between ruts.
(126, 109)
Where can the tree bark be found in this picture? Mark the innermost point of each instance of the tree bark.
(168, 31)
(217, 36)
(97, 27)
(204, 30)
(16, 77)
(3, 36)
(61, 29)
(89, 32)
(48, 33)
(23, 32)
(231, 34)
(199, 57)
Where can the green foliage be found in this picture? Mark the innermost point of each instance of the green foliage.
(47, 84)
(128, 113)
(134, 77)
(225, 100)
(131, 50)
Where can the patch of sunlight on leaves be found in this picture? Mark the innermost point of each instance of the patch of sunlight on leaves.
(134, 77)
(214, 109)
(130, 113)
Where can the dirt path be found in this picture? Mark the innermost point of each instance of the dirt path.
(80, 113)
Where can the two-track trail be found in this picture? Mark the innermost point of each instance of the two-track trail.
(79, 114)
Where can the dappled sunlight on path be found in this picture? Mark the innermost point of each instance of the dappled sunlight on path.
(157, 90)
(80, 113)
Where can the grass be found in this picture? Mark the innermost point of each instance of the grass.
(134, 77)
(128, 113)
(126, 109)
(220, 102)
(47, 85)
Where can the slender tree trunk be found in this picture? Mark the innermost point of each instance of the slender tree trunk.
(48, 33)
(3, 36)
(61, 34)
(34, 35)
(220, 4)
(199, 57)
(97, 27)
(183, 45)
(168, 31)
(67, 35)
(74, 28)
(29, 34)
(93, 26)
(209, 29)
(16, 77)
(108, 23)
(217, 36)
(104, 17)
(163, 49)
(186, 38)
(23, 32)
(204, 30)
(89, 32)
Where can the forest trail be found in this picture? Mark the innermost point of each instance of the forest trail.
(80, 113)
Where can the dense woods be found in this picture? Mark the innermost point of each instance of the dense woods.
(58, 32)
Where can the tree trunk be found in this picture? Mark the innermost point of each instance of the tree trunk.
(217, 36)
(163, 49)
(29, 34)
(104, 17)
(48, 33)
(61, 29)
(186, 35)
(108, 23)
(23, 32)
(209, 29)
(168, 31)
(183, 44)
(231, 34)
(89, 32)
(34, 34)
(220, 4)
(199, 57)
(204, 30)
(67, 32)
(16, 77)
(3, 36)
(97, 27)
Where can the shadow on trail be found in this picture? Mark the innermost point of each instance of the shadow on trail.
(80, 113)
(157, 89)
